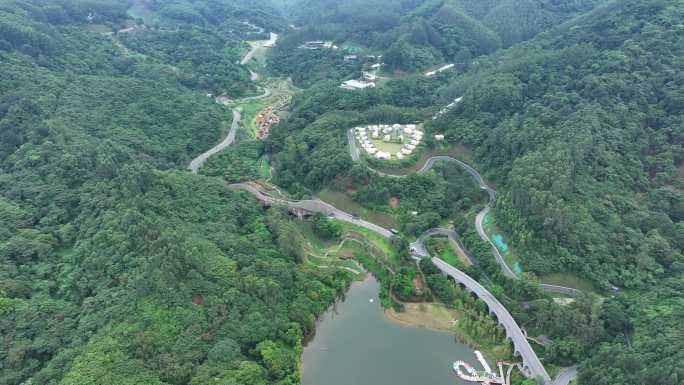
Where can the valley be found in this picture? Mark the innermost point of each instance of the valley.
(189, 196)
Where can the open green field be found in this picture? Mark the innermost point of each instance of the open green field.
(391, 147)
(442, 247)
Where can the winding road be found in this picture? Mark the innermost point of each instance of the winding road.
(418, 247)
(532, 366)
(199, 161)
(310, 206)
(196, 163)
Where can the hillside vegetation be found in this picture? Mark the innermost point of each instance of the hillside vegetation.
(115, 268)
(581, 128)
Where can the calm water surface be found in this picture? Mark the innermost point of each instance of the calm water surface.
(358, 345)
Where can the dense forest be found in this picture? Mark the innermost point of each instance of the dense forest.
(118, 266)
(421, 34)
(581, 129)
(114, 268)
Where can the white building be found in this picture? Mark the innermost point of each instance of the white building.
(387, 138)
(439, 137)
(408, 130)
(406, 151)
(386, 130)
(400, 155)
(410, 147)
(375, 135)
(357, 85)
(371, 150)
(383, 155)
(414, 142)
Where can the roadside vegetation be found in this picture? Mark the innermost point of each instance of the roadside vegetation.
(118, 266)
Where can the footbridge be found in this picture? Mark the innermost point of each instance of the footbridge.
(532, 366)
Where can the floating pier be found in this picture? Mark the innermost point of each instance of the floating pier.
(486, 377)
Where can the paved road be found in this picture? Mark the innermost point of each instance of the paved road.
(479, 219)
(353, 148)
(196, 163)
(312, 206)
(256, 45)
(565, 376)
(532, 367)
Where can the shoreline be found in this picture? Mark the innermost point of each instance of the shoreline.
(427, 315)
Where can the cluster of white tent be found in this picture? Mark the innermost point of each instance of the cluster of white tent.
(447, 108)
(385, 131)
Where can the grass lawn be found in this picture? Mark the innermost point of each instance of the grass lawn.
(379, 242)
(391, 147)
(442, 247)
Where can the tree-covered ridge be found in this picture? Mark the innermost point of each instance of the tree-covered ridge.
(586, 131)
(113, 268)
(583, 130)
(221, 14)
(420, 34)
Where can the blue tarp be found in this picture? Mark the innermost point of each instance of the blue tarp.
(500, 244)
(516, 268)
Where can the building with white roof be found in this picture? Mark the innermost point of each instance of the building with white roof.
(400, 155)
(439, 137)
(387, 138)
(357, 85)
(406, 151)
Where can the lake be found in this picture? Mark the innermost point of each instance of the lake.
(356, 344)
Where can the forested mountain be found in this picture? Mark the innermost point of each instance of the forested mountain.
(416, 34)
(585, 128)
(582, 129)
(117, 266)
(114, 268)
